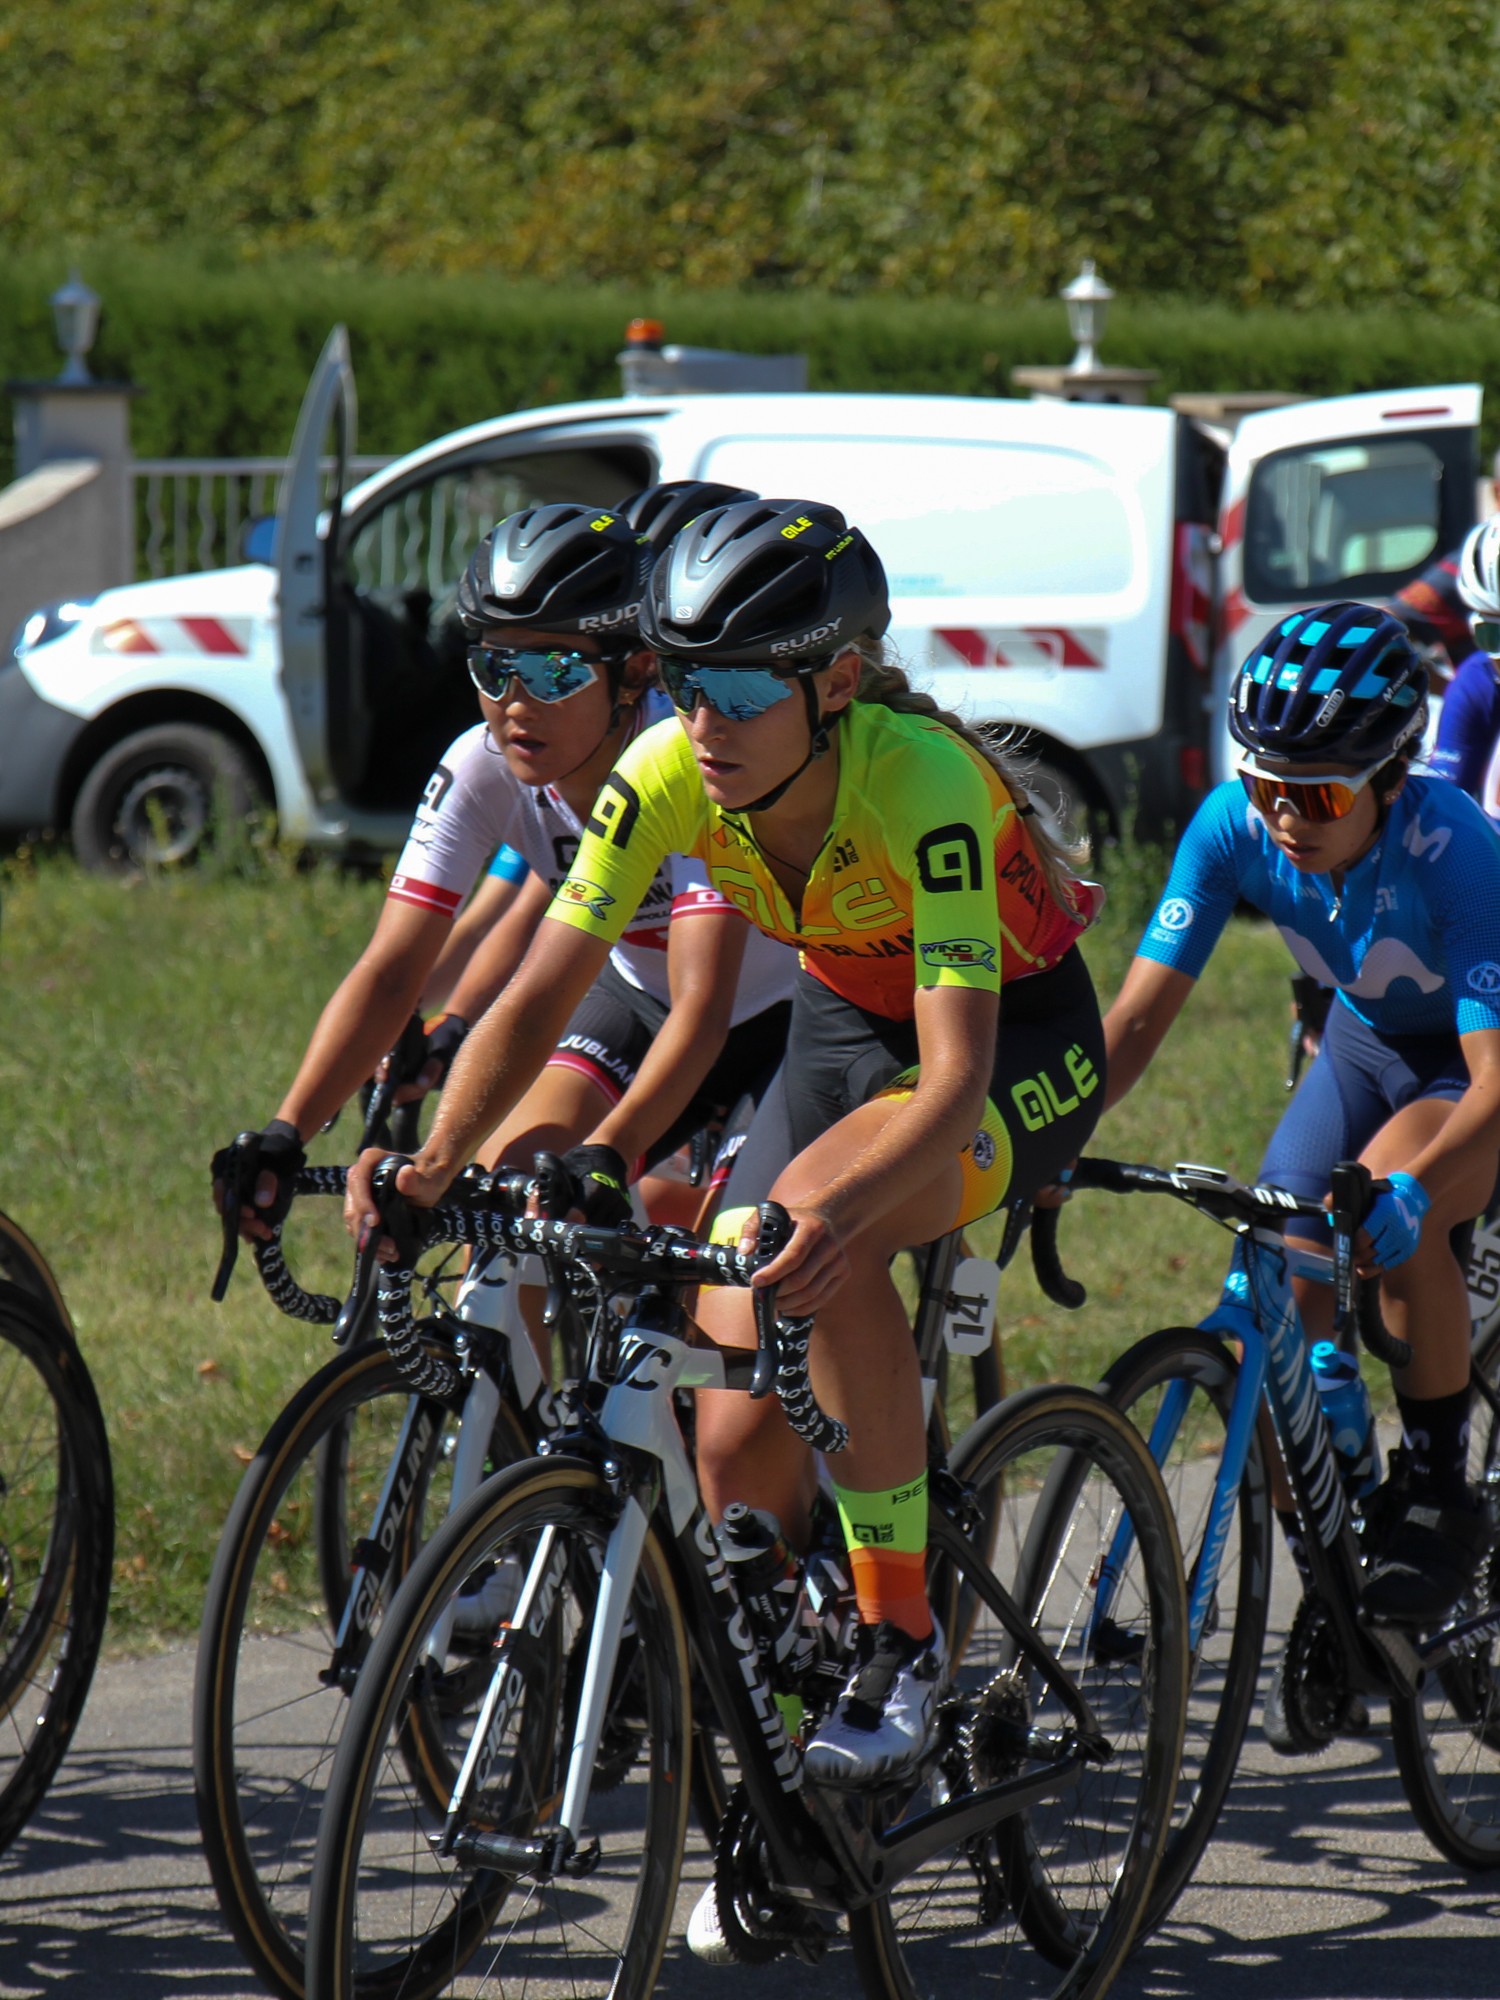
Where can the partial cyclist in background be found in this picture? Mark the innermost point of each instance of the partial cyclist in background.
(551, 602)
(1468, 739)
(848, 816)
(1386, 886)
(1433, 608)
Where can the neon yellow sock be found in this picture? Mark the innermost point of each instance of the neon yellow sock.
(886, 1535)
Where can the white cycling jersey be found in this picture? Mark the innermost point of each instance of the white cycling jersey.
(473, 803)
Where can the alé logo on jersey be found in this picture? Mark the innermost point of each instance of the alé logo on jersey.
(1039, 1099)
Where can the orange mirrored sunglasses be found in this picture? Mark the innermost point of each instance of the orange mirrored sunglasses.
(1312, 798)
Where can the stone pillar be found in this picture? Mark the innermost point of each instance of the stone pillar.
(57, 421)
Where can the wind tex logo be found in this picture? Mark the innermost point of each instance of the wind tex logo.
(586, 895)
(943, 952)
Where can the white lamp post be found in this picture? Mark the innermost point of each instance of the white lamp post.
(75, 315)
(1087, 300)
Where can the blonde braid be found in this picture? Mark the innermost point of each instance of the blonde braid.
(884, 684)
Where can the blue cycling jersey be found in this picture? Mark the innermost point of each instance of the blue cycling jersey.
(1468, 738)
(1413, 939)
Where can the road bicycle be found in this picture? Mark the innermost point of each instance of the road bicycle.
(56, 1529)
(364, 1460)
(1195, 1393)
(545, 1843)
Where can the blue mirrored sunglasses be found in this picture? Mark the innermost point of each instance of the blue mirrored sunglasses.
(739, 694)
(550, 676)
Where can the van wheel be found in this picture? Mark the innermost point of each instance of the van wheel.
(150, 802)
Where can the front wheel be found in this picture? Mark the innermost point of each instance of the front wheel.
(1075, 1525)
(56, 1549)
(271, 1698)
(152, 799)
(392, 1914)
(1183, 1382)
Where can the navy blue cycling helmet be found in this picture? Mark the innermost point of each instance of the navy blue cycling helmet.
(1336, 684)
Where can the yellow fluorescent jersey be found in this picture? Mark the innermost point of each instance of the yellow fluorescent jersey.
(927, 877)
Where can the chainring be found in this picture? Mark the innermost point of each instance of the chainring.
(1315, 1692)
(758, 1922)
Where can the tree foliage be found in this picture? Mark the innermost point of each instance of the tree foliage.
(1308, 151)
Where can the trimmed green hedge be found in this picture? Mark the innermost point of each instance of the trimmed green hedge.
(223, 351)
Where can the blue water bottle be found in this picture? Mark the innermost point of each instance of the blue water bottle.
(1346, 1405)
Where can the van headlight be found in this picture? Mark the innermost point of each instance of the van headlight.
(49, 623)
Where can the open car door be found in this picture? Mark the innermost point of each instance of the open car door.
(306, 559)
(1346, 497)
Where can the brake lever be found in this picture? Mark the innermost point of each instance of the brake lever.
(775, 1234)
(242, 1170)
(396, 1221)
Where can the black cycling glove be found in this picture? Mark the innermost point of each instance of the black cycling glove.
(279, 1151)
(599, 1176)
(445, 1037)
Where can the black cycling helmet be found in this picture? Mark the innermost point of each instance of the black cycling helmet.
(560, 568)
(660, 512)
(782, 580)
(1335, 684)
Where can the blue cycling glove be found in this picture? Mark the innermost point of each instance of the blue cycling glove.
(1394, 1224)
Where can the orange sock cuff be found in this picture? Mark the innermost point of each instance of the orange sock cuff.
(886, 1535)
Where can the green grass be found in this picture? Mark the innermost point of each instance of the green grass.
(147, 1023)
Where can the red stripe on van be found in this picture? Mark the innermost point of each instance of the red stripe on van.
(1234, 613)
(1232, 526)
(211, 636)
(126, 636)
(969, 646)
(1403, 416)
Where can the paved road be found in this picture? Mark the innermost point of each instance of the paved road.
(1318, 1887)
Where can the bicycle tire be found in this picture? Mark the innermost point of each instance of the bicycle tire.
(1447, 1734)
(1072, 1876)
(264, 1723)
(21, 1263)
(56, 1548)
(389, 1913)
(1226, 1665)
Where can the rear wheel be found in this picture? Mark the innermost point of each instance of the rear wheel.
(1049, 1900)
(392, 1914)
(1447, 1735)
(1200, 1375)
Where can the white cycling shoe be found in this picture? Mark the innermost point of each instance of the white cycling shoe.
(882, 1724)
(705, 1936)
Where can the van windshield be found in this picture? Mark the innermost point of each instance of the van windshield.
(965, 520)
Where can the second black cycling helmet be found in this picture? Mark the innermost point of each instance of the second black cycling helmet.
(765, 580)
(1336, 684)
(665, 510)
(560, 568)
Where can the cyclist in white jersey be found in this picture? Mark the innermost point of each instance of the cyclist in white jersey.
(690, 1012)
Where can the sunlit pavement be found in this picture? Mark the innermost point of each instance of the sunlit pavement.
(1318, 1887)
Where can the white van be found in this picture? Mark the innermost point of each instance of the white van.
(1088, 572)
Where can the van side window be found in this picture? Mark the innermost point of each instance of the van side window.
(1353, 518)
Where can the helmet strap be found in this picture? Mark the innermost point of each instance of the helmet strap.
(818, 727)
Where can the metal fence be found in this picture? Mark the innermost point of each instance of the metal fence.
(192, 513)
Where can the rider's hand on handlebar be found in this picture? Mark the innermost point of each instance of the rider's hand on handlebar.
(1393, 1227)
(280, 1156)
(812, 1267)
(421, 1186)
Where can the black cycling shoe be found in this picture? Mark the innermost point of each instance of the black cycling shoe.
(1426, 1564)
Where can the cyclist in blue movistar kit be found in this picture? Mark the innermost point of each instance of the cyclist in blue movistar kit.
(1386, 886)
(1468, 739)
